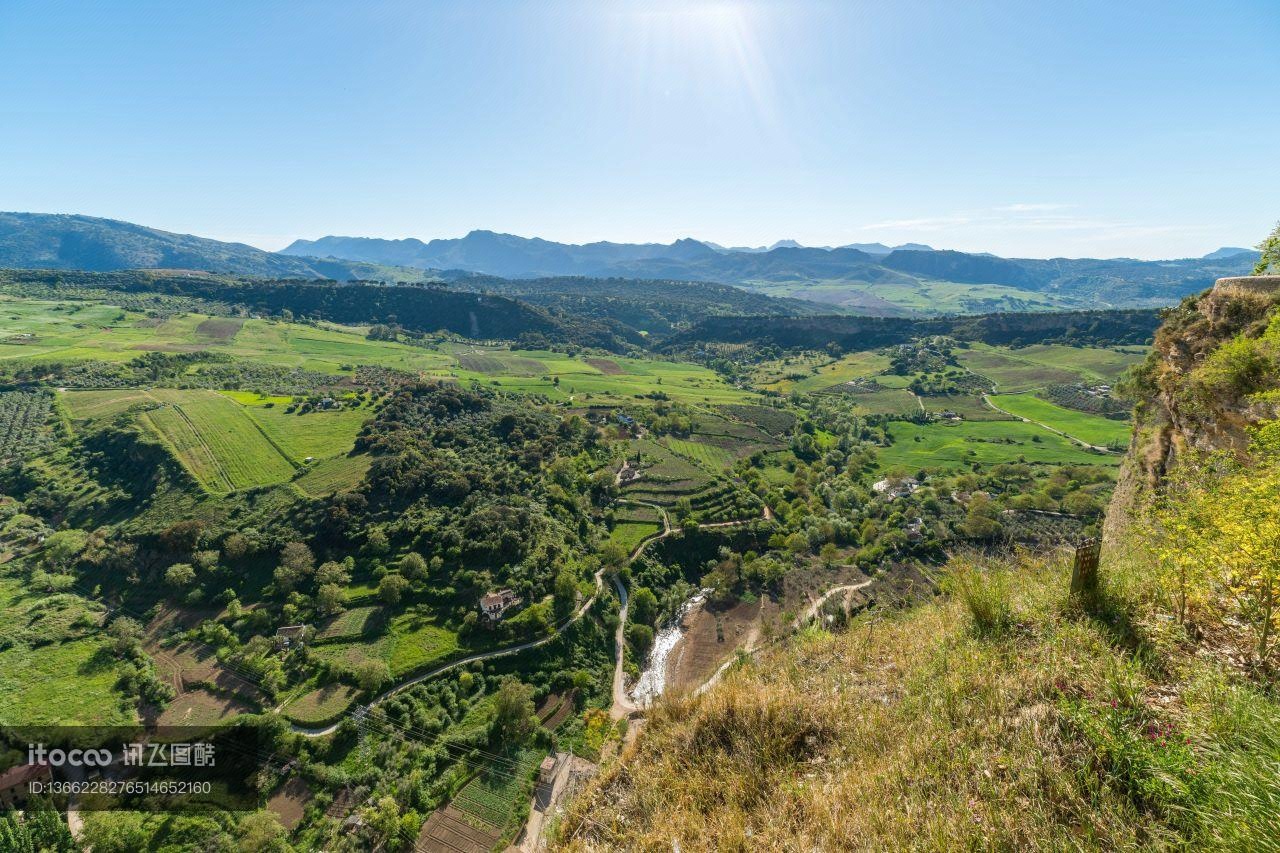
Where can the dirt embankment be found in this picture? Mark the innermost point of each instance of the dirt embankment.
(711, 636)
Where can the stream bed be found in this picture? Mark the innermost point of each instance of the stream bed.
(653, 679)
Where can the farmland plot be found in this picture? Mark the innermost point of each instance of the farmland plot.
(216, 441)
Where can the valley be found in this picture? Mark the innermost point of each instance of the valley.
(199, 480)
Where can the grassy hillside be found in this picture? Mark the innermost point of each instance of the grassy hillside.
(1003, 717)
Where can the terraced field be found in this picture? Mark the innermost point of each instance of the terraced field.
(492, 795)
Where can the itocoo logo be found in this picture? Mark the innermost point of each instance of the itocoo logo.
(39, 754)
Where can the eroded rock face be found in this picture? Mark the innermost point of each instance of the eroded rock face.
(1167, 422)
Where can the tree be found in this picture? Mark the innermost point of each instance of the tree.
(613, 556)
(391, 588)
(296, 563)
(413, 566)
(261, 832)
(330, 599)
(333, 573)
(376, 542)
(829, 554)
(235, 547)
(1269, 263)
(384, 817)
(513, 717)
(125, 633)
(640, 637)
(643, 608)
(180, 575)
(371, 674)
(298, 557)
(566, 591)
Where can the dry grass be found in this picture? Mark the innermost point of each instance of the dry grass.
(924, 730)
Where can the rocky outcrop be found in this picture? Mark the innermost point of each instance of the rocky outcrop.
(1168, 422)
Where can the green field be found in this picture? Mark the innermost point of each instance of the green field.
(492, 796)
(79, 331)
(951, 445)
(317, 434)
(822, 373)
(893, 401)
(232, 440)
(968, 406)
(1031, 368)
(413, 641)
(1091, 429)
(709, 456)
(339, 474)
(629, 534)
(911, 295)
(321, 705)
(53, 669)
(216, 441)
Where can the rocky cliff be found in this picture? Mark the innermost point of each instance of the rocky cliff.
(1199, 389)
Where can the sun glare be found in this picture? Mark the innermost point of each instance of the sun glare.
(711, 49)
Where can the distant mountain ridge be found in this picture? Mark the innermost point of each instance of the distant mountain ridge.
(849, 275)
(869, 278)
(76, 242)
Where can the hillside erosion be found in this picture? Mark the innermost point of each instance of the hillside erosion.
(1186, 401)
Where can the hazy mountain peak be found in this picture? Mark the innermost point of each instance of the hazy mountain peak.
(1228, 252)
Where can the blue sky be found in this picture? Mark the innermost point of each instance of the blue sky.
(1030, 129)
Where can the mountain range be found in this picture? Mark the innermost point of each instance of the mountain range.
(874, 279)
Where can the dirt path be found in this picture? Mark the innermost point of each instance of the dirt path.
(813, 608)
(622, 704)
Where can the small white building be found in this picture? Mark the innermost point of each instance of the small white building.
(494, 604)
(895, 488)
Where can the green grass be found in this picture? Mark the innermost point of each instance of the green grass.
(821, 372)
(340, 474)
(629, 534)
(709, 456)
(75, 331)
(1092, 429)
(967, 406)
(216, 441)
(1031, 368)
(905, 294)
(93, 405)
(355, 622)
(953, 445)
(56, 669)
(889, 401)
(1094, 364)
(322, 705)
(317, 434)
(412, 642)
